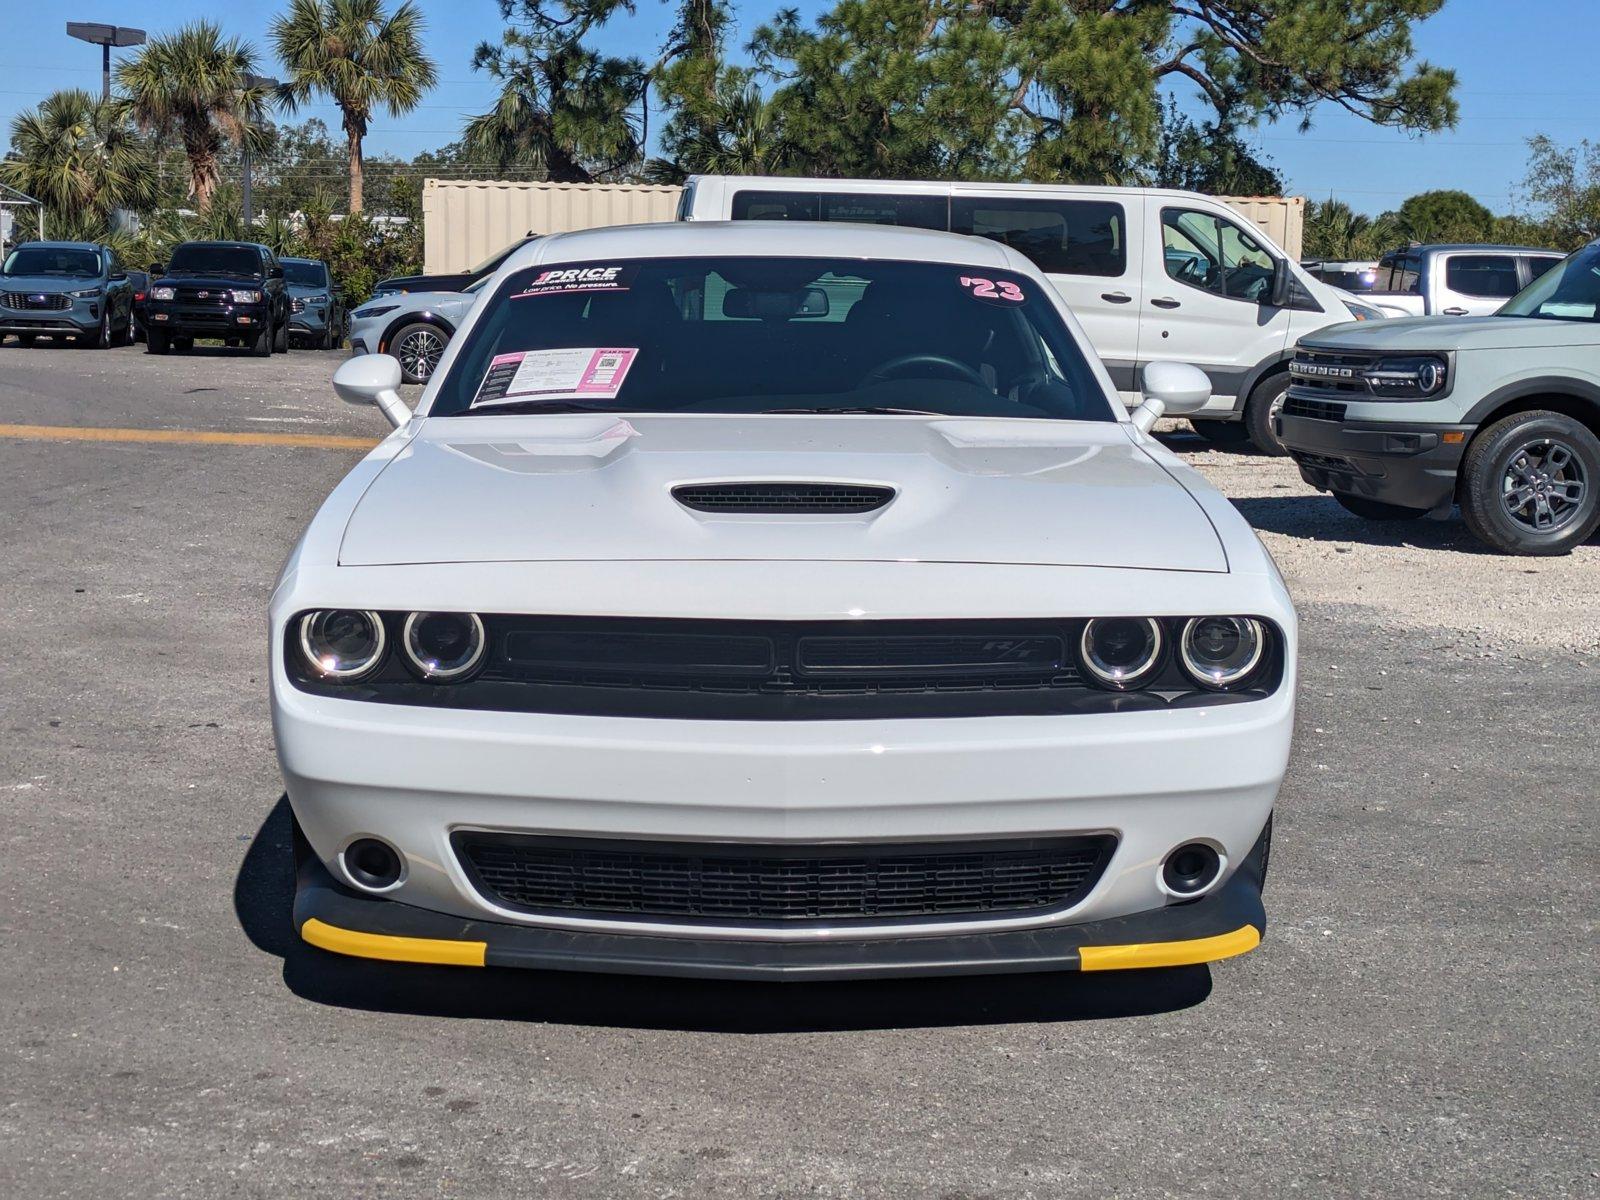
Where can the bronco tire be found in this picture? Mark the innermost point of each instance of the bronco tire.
(1530, 484)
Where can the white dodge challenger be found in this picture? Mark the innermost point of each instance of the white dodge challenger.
(779, 601)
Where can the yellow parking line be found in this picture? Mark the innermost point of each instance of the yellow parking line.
(183, 437)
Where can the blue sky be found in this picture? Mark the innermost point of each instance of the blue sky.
(1524, 68)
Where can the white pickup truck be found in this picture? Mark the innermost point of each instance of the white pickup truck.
(1455, 280)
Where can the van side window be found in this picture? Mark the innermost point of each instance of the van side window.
(777, 206)
(1537, 266)
(1208, 252)
(865, 208)
(1489, 275)
(1062, 237)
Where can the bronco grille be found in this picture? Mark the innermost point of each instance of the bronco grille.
(36, 301)
(780, 884)
(1316, 410)
(782, 497)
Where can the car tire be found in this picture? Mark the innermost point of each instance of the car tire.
(280, 339)
(1376, 510)
(328, 341)
(100, 339)
(1530, 484)
(1265, 399)
(262, 346)
(419, 347)
(156, 341)
(1225, 435)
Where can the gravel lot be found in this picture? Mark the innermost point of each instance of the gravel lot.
(1419, 1021)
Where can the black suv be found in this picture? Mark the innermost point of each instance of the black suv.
(229, 290)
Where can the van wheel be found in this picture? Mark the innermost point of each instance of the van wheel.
(1530, 484)
(1224, 434)
(1376, 510)
(1266, 398)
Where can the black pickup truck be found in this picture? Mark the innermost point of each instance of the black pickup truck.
(234, 291)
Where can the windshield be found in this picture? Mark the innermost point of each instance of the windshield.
(492, 263)
(772, 335)
(1569, 291)
(307, 274)
(52, 260)
(199, 258)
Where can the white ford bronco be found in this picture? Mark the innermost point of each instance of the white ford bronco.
(1499, 414)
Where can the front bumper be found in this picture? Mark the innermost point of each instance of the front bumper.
(1411, 465)
(209, 320)
(82, 317)
(1228, 922)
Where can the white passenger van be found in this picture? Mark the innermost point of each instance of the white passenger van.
(1151, 274)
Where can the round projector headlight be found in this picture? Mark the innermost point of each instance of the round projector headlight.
(443, 646)
(342, 643)
(1218, 652)
(1121, 652)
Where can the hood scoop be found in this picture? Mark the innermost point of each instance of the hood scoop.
(843, 499)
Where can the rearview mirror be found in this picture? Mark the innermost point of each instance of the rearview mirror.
(373, 379)
(1171, 388)
(764, 304)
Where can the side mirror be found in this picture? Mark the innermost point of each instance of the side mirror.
(118, 276)
(373, 379)
(1282, 293)
(158, 269)
(274, 272)
(1171, 387)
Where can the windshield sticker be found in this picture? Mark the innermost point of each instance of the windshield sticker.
(579, 373)
(565, 281)
(993, 289)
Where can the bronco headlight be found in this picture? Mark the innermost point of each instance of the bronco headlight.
(1218, 652)
(1408, 377)
(163, 293)
(342, 644)
(1121, 652)
(443, 646)
(246, 296)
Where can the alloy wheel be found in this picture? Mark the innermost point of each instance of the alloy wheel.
(1544, 485)
(419, 353)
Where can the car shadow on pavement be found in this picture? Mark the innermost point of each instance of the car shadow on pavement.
(1320, 519)
(263, 896)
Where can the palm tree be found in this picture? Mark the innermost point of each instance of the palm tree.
(78, 155)
(360, 56)
(739, 132)
(198, 85)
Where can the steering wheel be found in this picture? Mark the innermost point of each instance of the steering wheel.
(896, 367)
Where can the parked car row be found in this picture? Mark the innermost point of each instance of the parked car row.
(239, 292)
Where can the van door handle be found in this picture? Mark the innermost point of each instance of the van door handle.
(1455, 312)
(1165, 302)
(1116, 297)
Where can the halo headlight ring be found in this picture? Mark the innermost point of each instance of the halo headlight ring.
(1121, 675)
(324, 662)
(428, 666)
(1210, 671)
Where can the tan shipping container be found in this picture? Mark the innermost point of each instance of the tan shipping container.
(465, 221)
(1281, 218)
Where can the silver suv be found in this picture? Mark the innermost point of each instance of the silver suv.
(1500, 414)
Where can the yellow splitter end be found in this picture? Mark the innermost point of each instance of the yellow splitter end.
(1169, 954)
(441, 951)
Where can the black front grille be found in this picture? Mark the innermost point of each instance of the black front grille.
(1316, 410)
(1323, 462)
(843, 498)
(218, 296)
(742, 883)
(776, 670)
(36, 301)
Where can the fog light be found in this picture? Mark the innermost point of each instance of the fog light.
(1191, 869)
(372, 864)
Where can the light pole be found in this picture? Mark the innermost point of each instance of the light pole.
(250, 81)
(105, 36)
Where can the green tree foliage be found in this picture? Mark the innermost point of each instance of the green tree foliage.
(193, 85)
(1444, 216)
(1563, 187)
(565, 110)
(1335, 231)
(1210, 157)
(361, 56)
(1071, 89)
(79, 156)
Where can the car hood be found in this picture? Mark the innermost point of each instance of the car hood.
(201, 279)
(598, 488)
(49, 283)
(1409, 334)
(307, 289)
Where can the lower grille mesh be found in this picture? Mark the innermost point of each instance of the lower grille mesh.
(780, 884)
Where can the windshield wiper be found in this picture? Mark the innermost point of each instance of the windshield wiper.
(869, 410)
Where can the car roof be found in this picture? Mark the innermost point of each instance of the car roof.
(225, 242)
(766, 239)
(61, 245)
(314, 261)
(1480, 247)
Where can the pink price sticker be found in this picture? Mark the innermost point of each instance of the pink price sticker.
(993, 289)
(570, 373)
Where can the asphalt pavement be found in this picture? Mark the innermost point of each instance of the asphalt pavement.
(1419, 1021)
